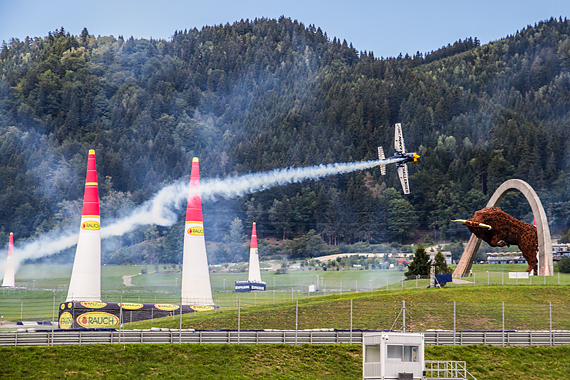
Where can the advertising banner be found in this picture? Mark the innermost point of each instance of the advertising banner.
(248, 286)
(74, 314)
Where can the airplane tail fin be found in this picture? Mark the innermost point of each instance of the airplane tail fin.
(381, 157)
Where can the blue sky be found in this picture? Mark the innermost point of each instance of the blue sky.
(385, 27)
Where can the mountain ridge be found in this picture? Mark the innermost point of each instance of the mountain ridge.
(264, 94)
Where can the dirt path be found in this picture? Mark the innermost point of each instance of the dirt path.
(127, 280)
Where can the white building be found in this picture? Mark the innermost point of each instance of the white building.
(393, 355)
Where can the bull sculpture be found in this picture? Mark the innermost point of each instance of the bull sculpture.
(499, 229)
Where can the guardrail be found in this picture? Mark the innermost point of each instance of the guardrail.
(333, 336)
(164, 336)
(497, 338)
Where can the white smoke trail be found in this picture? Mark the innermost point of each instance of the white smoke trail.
(249, 183)
(162, 208)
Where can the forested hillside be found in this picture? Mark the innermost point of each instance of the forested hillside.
(265, 94)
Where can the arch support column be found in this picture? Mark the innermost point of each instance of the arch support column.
(545, 267)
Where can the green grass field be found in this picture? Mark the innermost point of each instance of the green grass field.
(57, 277)
(143, 361)
(478, 306)
(30, 303)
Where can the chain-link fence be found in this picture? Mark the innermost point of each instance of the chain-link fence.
(367, 312)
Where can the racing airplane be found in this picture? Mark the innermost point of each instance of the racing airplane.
(400, 158)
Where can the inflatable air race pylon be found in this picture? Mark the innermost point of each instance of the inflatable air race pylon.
(196, 289)
(85, 284)
(254, 279)
(9, 274)
(254, 272)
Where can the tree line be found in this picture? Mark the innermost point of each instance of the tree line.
(272, 93)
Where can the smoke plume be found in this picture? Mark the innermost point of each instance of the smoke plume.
(163, 208)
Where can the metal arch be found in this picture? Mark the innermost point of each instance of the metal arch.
(545, 267)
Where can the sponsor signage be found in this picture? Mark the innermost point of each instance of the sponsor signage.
(97, 319)
(166, 307)
(201, 307)
(196, 231)
(255, 286)
(91, 225)
(93, 305)
(89, 314)
(131, 306)
(246, 286)
(241, 286)
(65, 320)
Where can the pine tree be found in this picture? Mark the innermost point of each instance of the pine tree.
(420, 264)
(440, 264)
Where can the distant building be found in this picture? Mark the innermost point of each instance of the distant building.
(517, 258)
(561, 247)
(558, 251)
(432, 251)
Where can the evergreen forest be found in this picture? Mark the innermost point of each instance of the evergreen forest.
(263, 94)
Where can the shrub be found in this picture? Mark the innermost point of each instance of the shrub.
(564, 265)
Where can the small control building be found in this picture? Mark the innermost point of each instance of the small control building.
(393, 355)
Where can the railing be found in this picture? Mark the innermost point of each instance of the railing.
(438, 369)
(323, 336)
(497, 338)
(165, 336)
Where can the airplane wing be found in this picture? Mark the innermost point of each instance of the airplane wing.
(403, 174)
(399, 139)
(381, 157)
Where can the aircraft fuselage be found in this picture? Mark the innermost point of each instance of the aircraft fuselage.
(406, 157)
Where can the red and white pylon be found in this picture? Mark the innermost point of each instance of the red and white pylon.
(85, 284)
(9, 275)
(196, 288)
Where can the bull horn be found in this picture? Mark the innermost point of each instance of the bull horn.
(473, 224)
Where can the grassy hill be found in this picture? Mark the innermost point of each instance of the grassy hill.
(478, 306)
(261, 362)
(526, 307)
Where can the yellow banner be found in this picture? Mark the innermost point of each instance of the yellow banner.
(97, 319)
(196, 231)
(91, 225)
(166, 307)
(93, 305)
(65, 320)
(202, 308)
(131, 306)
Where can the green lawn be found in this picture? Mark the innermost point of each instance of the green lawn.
(144, 361)
(478, 306)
